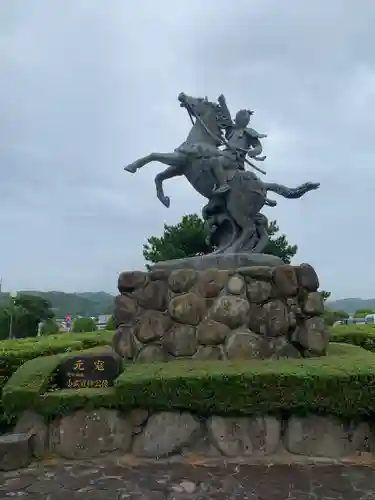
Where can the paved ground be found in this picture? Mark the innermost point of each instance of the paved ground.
(116, 479)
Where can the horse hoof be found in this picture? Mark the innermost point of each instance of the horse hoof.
(166, 201)
(131, 168)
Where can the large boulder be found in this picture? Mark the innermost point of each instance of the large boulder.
(165, 433)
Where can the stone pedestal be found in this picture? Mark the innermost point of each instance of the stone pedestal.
(254, 312)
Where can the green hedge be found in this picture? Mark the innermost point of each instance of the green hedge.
(19, 351)
(342, 383)
(359, 335)
(24, 388)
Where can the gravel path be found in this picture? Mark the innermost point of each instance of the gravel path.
(116, 479)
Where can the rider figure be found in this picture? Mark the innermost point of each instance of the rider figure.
(241, 141)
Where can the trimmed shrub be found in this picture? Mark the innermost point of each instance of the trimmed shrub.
(18, 352)
(84, 325)
(33, 378)
(342, 384)
(359, 335)
(62, 402)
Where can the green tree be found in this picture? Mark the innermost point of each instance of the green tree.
(36, 309)
(185, 239)
(331, 316)
(111, 324)
(10, 318)
(188, 239)
(279, 245)
(49, 327)
(361, 313)
(20, 316)
(84, 325)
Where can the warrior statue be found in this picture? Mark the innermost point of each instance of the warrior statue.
(241, 141)
(213, 158)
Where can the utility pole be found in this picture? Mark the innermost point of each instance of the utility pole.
(13, 295)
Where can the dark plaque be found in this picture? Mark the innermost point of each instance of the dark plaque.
(88, 371)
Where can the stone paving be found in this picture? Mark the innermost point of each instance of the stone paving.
(118, 479)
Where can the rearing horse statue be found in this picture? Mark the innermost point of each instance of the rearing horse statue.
(233, 218)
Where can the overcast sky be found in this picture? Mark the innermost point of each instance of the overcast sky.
(87, 86)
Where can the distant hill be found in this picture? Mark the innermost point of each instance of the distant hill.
(72, 304)
(351, 305)
(95, 303)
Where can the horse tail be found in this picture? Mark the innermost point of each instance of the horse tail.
(291, 193)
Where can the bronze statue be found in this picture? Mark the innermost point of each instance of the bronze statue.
(235, 195)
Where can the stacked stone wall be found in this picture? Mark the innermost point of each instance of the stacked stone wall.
(88, 434)
(253, 312)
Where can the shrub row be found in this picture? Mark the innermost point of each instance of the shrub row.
(341, 383)
(27, 387)
(17, 352)
(359, 335)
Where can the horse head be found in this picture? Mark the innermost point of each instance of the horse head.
(205, 112)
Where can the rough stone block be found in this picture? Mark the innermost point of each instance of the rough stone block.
(258, 291)
(15, 450)
(181, 340)
(129, 281)
(285, 279)
(152, 353)
(211, 281)
(244, 345)
(244, 436)
(88, 434)
(236, 285)
(153, 295)
(257, 272)
(313, 304)
(152, 326)
(187, 308)
(211, 332)
(277, 320)
(312, 335)
(125, 309)
(318, 437)
(307, 277)
(166, 433)
(258, 319)
(31, 422)
(208, 352)
(123, 342)
(181, 280)
(231, 311)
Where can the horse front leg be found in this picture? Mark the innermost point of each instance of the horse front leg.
(172, 159)
(168, 173)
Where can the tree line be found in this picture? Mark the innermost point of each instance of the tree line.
(21, 317)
